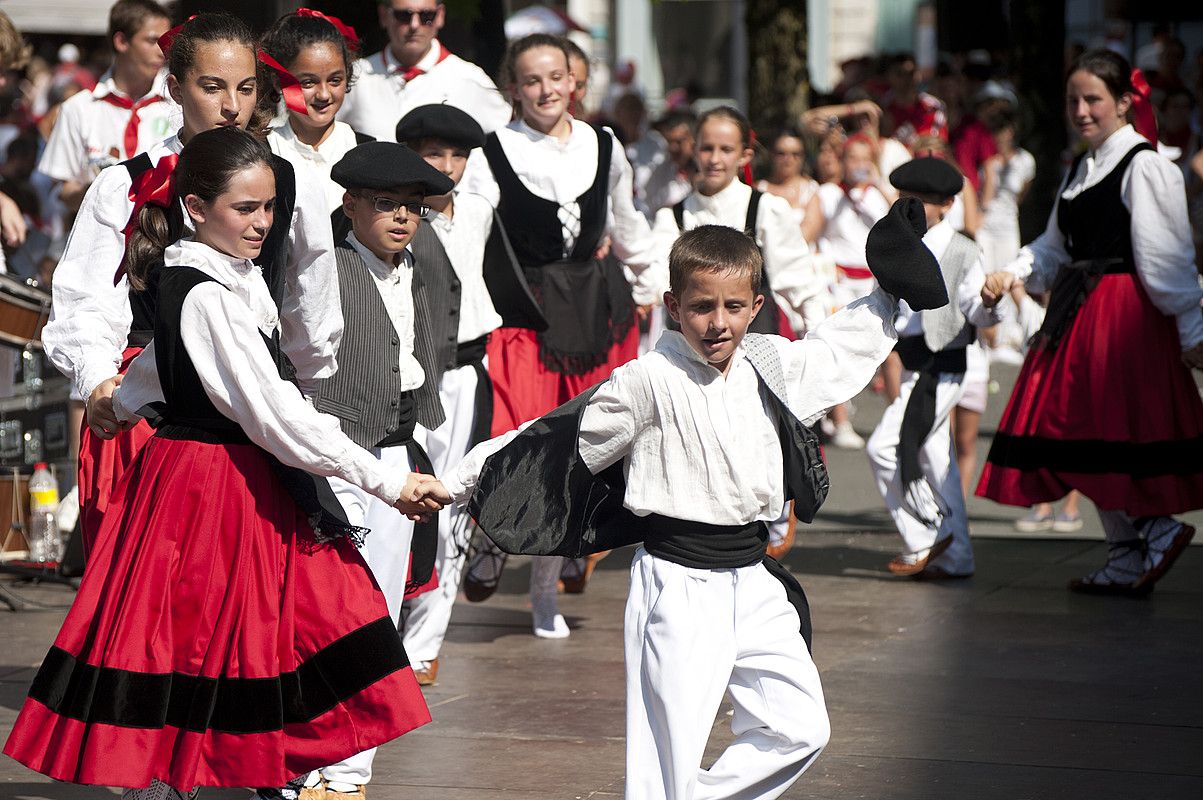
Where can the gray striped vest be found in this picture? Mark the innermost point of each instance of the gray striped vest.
(440, 287)
(364, 393)
(946, 327)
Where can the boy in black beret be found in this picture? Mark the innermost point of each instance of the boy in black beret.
(911, 451)
(450, 246)
(387, 379)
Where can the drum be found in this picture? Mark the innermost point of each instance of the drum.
(24, 310)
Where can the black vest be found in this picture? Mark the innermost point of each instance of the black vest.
(586, 305)
(1098, 237)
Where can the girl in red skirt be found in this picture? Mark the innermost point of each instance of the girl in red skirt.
(225, 635)
(97, 325)
(1105, 402)
(560, 186)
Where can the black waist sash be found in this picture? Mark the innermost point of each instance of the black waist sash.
(472, 354)
(1073, 282)
(920, 415)
(699, 545)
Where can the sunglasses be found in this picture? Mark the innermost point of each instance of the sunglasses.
(404, 16)
(386, 205)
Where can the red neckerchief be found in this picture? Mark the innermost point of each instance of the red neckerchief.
(155, 186)
(130, 137)
(409, 73)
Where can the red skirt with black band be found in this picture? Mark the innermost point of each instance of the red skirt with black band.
(1110, 411)
(213, 642)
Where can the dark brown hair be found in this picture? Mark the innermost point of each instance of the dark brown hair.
(714, 248)
(291, 34)
(1108, 66)
(207, 164)
(128, 16)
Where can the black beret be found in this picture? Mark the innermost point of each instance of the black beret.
(901, 261)
(928, 175)
(387, 165)
(441, 121)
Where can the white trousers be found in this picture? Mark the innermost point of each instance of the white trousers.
(429, 614)
(693, 635)
(386, 549)
(938, 461)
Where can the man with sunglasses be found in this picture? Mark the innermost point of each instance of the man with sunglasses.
(415, 69)
(387, 381)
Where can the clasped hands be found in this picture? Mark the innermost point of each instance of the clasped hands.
(421, 496)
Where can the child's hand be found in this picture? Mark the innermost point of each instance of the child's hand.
(997, 284)
(412, 502)
(435, 491)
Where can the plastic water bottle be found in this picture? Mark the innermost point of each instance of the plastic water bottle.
(45, 544)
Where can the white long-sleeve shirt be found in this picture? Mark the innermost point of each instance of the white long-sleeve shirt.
(849, 216)
(90, 317)
(701, 446)
(220, 327)
(464, 236)
(380, 96)
(786, 254)
(969, 292)
(1152, 191)
(561, 172)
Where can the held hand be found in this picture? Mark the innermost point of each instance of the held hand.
(997, 284)
(435, 491)
(102, 419)
(644, 312)
(1193, 358)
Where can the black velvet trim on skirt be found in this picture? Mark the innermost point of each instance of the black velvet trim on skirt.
(102, 695)
(1097, 456)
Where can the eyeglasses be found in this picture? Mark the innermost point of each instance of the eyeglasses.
(386, 205)
(404, 16)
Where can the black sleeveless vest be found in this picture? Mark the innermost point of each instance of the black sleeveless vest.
(1098, 237)
(587, 304)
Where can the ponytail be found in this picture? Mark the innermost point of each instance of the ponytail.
(156, 228)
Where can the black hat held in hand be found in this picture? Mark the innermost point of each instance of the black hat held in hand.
(441, 121)
(900, 261)
(388, 165)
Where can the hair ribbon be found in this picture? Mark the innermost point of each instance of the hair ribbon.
(346, 30)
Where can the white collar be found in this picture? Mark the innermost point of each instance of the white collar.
(1118, 143)
(520, 125)
(225, 269)
(736, 192)
(674, 346)
(381, 269)
(340, 140)
(938, 237)
(106, 86)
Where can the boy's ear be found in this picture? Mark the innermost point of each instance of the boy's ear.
(757, 304)
(673, 306)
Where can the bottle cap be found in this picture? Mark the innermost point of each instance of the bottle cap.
(39, 465)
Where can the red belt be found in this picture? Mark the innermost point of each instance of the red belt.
(855, 273)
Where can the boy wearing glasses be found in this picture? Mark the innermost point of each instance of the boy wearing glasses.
(387, 381)
(415, 69)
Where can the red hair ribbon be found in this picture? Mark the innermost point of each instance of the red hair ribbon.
(748, 166)
(346, 30)
(1143, 117)
(155, 186)
(168, 39)
(294, 96)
